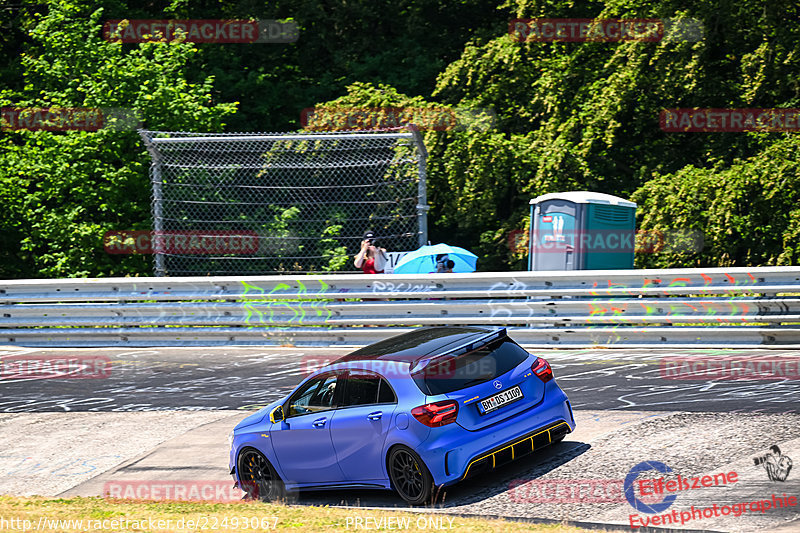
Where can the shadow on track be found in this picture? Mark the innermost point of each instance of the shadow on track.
(475, 489)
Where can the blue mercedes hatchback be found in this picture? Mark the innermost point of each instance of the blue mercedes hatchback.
(421, 410)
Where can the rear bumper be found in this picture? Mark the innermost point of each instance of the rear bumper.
(517, 448)
(456, 453)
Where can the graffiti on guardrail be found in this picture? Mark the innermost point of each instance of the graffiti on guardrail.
(500, 308)
(611, 304)
(679, 281)
(262, 306)
(736, 311)
(307, 307)
(388, 288)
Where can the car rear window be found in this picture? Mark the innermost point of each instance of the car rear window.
(449, 374)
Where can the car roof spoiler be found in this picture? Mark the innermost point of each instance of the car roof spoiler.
(425, 360)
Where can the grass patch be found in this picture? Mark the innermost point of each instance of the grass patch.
(98, 514)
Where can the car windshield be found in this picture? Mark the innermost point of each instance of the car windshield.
(448, 374)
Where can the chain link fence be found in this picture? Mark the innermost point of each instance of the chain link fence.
(299, 202)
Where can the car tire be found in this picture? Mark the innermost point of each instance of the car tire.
(410, 478)
(258, 478)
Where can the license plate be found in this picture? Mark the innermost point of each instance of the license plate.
(500, 399)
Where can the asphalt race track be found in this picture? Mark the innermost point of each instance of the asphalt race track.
(150, 379)
(163, 413)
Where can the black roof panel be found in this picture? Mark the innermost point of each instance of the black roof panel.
(420, 342)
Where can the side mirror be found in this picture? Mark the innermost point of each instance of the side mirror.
(276, 415)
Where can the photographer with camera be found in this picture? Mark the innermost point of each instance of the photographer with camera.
(371, 259)
(775, 463)
(444, 264)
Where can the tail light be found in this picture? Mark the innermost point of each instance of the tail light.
(436, 414)
(542, 369)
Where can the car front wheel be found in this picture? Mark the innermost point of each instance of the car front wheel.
(258, 478)
(409, 475)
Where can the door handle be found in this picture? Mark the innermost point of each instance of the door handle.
(319, 422)
(375, 416)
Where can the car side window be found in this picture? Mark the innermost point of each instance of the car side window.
(316, 395)
(366, 388)
(385, 393)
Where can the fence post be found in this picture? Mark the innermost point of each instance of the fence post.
(157, 206)
(422, 194)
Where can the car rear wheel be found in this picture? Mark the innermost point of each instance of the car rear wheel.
(258, 478)
(409, 475)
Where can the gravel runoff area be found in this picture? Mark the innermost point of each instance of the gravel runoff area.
(691, 444)
(48, 453)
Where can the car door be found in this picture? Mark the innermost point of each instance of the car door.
(302, 441)
(360, 424)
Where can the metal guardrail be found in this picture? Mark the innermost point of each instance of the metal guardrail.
(677, 307)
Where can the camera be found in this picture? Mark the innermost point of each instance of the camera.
(763, 457)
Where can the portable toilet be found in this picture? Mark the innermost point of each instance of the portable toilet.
(581, 230)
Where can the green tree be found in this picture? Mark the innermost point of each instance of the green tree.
(747, 213)
(586, 115)
(64, 190)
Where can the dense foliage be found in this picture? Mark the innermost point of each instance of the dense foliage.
(585, 116)
(568, 116)
(62, 191)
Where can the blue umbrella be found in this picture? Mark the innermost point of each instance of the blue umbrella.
(423, 260)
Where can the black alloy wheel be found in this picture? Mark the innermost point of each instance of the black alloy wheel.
(258, 478)
(409, 475)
